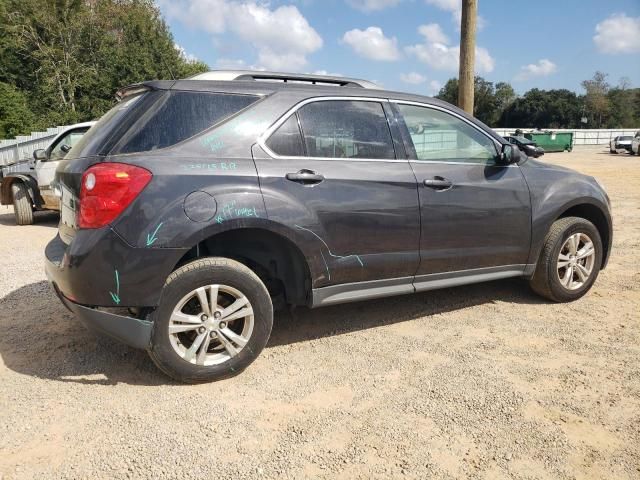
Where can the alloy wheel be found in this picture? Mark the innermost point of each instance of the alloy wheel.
(575, 261)
(211, 324)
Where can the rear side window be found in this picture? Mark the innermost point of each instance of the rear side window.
(346, 129)
(287, 140)
(177, 116)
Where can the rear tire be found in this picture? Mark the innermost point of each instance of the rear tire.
(21, 204)
(195, 343)
(565, 273)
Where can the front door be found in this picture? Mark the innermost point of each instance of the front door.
(329, 172)
(46, 169)
(475, 212)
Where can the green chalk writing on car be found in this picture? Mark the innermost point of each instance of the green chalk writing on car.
(116, 296)
(151, 238)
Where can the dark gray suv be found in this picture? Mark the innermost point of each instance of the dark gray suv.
(194, 206)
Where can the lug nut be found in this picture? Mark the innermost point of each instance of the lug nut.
(212, 334)
(223, 325)
(201, 329)
(203, 317)
(216, 314)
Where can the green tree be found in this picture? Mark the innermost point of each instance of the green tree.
(543, 109)
(15, 116)
(622, 113)
(489, 100)
(596, 100)
(68, 57)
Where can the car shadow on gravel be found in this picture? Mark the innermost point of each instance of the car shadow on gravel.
(40, 338)
(44, 219)
(305, 324)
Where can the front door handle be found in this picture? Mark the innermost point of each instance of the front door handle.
(306, 177)
(438, 183)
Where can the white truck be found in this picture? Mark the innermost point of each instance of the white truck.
(28, 184)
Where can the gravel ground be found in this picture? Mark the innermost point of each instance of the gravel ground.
(482, 381)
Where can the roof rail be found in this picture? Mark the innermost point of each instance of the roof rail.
(256, 75)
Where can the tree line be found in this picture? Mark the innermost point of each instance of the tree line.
(601, 105)
(61, 61)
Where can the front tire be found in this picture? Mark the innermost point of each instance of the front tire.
(214, 318)
(570, 260)
(21, 204)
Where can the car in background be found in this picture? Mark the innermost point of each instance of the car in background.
(635, 144)
(28, 184)
(529, 147)
(620, 142)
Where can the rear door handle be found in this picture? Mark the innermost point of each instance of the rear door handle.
(306, 177)
(438, 183)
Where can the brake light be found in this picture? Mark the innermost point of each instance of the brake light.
(107, 190)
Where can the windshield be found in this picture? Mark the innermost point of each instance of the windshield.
(93, 141)
(624, 138)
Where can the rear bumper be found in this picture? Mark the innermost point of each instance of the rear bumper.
(130, 331)
(98, 268)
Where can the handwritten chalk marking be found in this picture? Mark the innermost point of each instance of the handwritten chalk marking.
(116, 296)
(228, 211)
(151, 239)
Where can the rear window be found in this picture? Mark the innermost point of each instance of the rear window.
(177, 116)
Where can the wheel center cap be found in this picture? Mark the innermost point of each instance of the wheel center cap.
(210, 323)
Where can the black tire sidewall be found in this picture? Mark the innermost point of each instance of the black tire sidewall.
(197, 274)
(558, 290)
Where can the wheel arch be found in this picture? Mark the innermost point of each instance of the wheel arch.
(6, 197)
(596, 215)
(277, 259)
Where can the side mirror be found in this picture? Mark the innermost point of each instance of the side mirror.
(65, 148)
(539, 152)
(40, 154)
(509, 154)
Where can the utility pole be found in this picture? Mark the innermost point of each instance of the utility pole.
(467, 55)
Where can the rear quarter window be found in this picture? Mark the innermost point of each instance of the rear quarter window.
(177, 116)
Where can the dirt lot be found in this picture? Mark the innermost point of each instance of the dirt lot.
(485, 381)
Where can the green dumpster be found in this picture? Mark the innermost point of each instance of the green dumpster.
(552, 141)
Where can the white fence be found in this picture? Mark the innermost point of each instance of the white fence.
(23, 146)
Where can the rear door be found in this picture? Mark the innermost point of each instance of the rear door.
(328, 171)
(475, 212)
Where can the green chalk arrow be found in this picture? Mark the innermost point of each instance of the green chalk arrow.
(151, 238)
(116, 296)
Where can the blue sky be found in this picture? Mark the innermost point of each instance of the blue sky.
(411, 45)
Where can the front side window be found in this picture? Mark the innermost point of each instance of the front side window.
(439, 136)
(69, 139)
(346, 129)
(177, 116)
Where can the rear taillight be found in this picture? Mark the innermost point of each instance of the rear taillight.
(107, 190)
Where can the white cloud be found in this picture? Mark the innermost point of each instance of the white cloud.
(618, 34)
(433, 33)
(455, 8)
(282, 36)
(371, 43)
(434, 87)
(413, 78)
(183, 53)
(372, 5)
(324, 72)
(231, 64)
(442, 56)
(543, 68)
